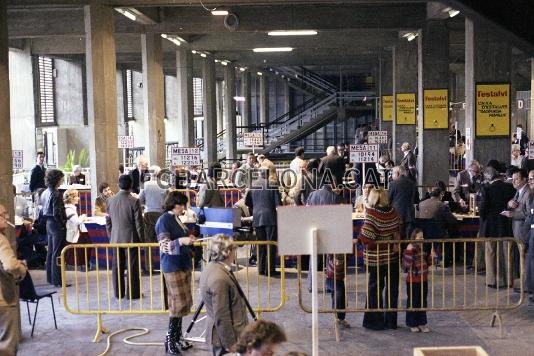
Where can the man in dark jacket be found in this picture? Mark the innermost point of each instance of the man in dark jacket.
(494, 201)
(37, 176)
(332, 165)
(403, 195)
(409, 161)
(262, 199)
(139, 175)
(125, 224)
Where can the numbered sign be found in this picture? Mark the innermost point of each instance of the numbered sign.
(364, 153)
(253, 139)
(377, 137)
(18, 159)
(126, 142)
(185, 156)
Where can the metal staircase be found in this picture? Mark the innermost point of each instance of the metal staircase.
(307, 79)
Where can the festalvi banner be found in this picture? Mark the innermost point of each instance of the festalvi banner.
(406, 109)
(387, 108)
(436, 109)
(492, 109)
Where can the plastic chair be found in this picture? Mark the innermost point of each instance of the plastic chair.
(29, 294)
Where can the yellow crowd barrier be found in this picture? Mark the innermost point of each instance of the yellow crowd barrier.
(457, 288)
(97, 288)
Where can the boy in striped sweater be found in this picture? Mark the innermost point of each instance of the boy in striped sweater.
(416, 262)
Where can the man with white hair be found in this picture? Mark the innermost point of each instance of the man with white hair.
(77, 176)
(152, 197)
(468, 182)
(140, 174)
(332, 165)
(409, 161)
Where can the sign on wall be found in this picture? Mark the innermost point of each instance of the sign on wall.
(377, 137)
(185, 156)
(18, 159)
(436, 109)
(387, 108)
(492, 109)
(251, 139)
(364, 153)
(406, 109)
(126, 141)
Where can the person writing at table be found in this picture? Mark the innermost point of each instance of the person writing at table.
(77, 176)
(174, 244)
(102, 200)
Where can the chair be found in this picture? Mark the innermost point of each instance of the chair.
(29, 294)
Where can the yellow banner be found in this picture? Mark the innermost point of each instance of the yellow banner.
(405, 109)
(436, 109)
(492, 109)
(387, 108)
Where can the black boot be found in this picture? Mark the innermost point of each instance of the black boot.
(171, 346)
(179, 337)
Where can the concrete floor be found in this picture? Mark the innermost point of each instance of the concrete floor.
(76, 332)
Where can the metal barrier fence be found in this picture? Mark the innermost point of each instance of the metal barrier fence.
(458, 288)
(92, 279)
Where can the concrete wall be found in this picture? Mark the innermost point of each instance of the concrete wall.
(69, 93)
(120, 105)
(172, 127)
(138, 128)
(22, 105)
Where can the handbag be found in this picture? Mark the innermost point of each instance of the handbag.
(201, 217)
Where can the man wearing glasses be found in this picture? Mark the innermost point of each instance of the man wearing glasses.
(12, 270)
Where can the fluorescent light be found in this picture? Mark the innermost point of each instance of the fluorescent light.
(194, 52)
(180, 39)
(164, 35)
(219, 12)
(217, 61)
(259, 73)
(239, 98)
(129, 15)
(203, 55)
(242, 69)
(293, 33)
(453, 12)
(411, 37)
(273, 49)
(175, 41)
(198, 118)
(224, 63)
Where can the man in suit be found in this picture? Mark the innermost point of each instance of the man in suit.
(518, 212)
(262, 199)
(332, 166)
(140, 174)
(125, 224)
(493, 223)
(37, 175)
(467, 182)
(409, 161)
(403, 195)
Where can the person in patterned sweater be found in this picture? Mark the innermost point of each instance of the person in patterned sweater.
(382, 223)
(416, 262)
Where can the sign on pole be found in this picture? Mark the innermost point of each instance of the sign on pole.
(436, 109)
(253, 139)
(18, 159)
(492, 109)
(185, 156)
(364, 153)
(387, 108)
(377, 137)
(126, 141)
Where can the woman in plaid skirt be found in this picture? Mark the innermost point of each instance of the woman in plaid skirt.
(174, 244)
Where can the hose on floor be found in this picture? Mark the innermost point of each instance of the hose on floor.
(126, 340)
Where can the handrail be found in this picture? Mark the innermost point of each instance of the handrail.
(219, 135)
(318, 78)
(295, 111)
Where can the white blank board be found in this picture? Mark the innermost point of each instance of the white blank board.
(333, 224)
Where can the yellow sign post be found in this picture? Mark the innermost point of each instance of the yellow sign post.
(436, 109)
(492, 112)
(387, 108)
(405, 113)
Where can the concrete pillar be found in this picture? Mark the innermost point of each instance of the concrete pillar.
(101, 96)
(184, 74)
(230, 90)
(6, 160)
(153, 97)
(405, 82)
(209, 103)
(487, 59)
(434, 64)
(247, 104)
(264, 99)
(386, 87)
(219, 92)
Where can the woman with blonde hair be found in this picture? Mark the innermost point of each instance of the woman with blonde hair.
(71, 198)
(382, 223)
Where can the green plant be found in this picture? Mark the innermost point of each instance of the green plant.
(69, 161)
(83, 158)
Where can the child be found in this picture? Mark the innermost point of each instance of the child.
(335, 284)
(416, 262)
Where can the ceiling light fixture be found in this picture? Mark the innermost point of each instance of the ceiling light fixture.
(239, 98)
(127, 13)
(194, 52)
(224, 63)
(272, 49)
(203, 55)
(410, 36)
(242, 69)
(259, 73)
(219, 12)
(453, 12)
(164, 35)
(293, 33)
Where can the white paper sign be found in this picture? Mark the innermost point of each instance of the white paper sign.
(18, 159)
(185, 156)
(126, 142)
(364, 153)
(380, 137)
(333, 224)
(253, 139)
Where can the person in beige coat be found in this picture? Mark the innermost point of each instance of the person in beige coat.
(12, 270)
(225, 305)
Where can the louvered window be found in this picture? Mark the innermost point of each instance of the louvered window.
(129, 95)
(197, 97)
(47, 113)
